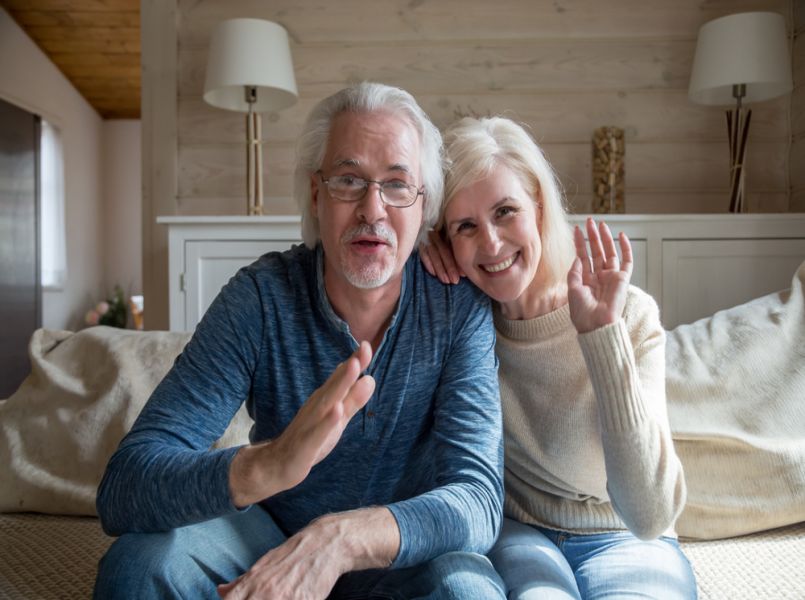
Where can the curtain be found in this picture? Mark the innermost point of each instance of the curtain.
(53, 250)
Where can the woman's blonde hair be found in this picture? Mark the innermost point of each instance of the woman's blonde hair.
(476, 146)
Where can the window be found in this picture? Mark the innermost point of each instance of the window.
(51, 178)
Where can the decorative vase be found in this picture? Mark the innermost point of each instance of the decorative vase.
(609, 148)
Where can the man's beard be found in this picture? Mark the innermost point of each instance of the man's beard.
(368, 274)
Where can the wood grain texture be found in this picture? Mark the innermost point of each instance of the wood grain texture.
(159, 135)
(645, 115)
(797, 201)
(98, 6)
(798, 112)
(798, 59)
(219, 170)
(637, 202)
(798, 165)
(348, 21)
(475, 67)
(95, 43)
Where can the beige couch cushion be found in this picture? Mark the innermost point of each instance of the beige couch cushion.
(85, 390)
(736, 402)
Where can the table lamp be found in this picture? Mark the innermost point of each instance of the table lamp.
(740, 58)
(249, 69)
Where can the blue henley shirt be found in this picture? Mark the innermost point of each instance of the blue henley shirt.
(427, 445)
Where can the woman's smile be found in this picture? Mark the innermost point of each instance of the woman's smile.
(500, 266)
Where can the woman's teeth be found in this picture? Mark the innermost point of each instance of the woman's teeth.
(501, 265)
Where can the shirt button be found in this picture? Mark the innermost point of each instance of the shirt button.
(370, 413)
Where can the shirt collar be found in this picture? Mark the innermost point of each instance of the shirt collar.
(327, 308)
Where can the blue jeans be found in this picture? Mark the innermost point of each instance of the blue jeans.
(189, 562)
(538, 563)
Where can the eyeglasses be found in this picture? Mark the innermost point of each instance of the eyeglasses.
(394, 192)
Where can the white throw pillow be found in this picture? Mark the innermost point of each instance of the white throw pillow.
(59, 429)
(736, 403)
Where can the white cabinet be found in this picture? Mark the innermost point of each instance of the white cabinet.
(205, 252)
(693, 265)
(701, 277)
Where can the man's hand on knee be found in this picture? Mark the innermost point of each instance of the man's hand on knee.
(309, 563)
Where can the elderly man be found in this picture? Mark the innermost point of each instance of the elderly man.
(375, 464)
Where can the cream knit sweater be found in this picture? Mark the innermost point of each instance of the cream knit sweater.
(588, 444)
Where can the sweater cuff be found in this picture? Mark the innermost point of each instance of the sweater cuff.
(611, 364)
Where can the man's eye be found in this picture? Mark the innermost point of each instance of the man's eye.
(395, 184)
(348, 181)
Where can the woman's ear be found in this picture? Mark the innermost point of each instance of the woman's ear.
(539, 204)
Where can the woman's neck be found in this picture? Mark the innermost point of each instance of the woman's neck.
(535, 301)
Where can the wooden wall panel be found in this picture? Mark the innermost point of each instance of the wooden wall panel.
(470, 67)
(797, 110)
(797, 156)
(645, 115)
(653, 167)
(350, 21)
(798, 165)
(159, 155)
(563, 69)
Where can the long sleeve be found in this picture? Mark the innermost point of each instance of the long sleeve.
(427, 444)
(588, 445)
(626, 364)
(464, 511)
(164, 474)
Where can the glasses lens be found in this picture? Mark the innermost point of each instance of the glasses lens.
(398, 193)
(344, 187)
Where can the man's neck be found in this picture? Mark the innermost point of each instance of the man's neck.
(366, 311)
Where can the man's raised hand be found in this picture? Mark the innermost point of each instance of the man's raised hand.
(262, 470)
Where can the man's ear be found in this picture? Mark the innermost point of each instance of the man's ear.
(314, 196)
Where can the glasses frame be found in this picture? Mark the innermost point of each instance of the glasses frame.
(380, 184)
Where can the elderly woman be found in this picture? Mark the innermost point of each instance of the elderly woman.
(593, 484)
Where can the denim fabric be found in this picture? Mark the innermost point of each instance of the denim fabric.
(538, 563)
(189, 562)
(427, 445)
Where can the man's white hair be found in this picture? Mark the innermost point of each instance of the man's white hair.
(367, 97)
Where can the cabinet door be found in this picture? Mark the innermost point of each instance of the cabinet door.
(209, 265)
(640, 262)
(701, 277)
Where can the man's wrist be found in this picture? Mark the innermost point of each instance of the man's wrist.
(367, 538)
(254, 474)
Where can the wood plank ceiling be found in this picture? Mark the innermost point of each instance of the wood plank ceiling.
(95, 43)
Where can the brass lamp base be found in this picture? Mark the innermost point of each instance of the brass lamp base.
(254, 165)
(738, 128)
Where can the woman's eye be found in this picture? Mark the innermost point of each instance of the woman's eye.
(464, 227)
(505, 211)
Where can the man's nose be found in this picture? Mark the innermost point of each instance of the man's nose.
(371, 207)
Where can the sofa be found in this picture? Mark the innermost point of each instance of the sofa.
(736, 401)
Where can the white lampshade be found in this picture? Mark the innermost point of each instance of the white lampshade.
(250, 52)
(746, 48)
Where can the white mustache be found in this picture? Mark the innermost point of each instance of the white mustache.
(376, 230)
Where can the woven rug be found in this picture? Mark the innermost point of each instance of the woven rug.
(45, 557)
(766, 565)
